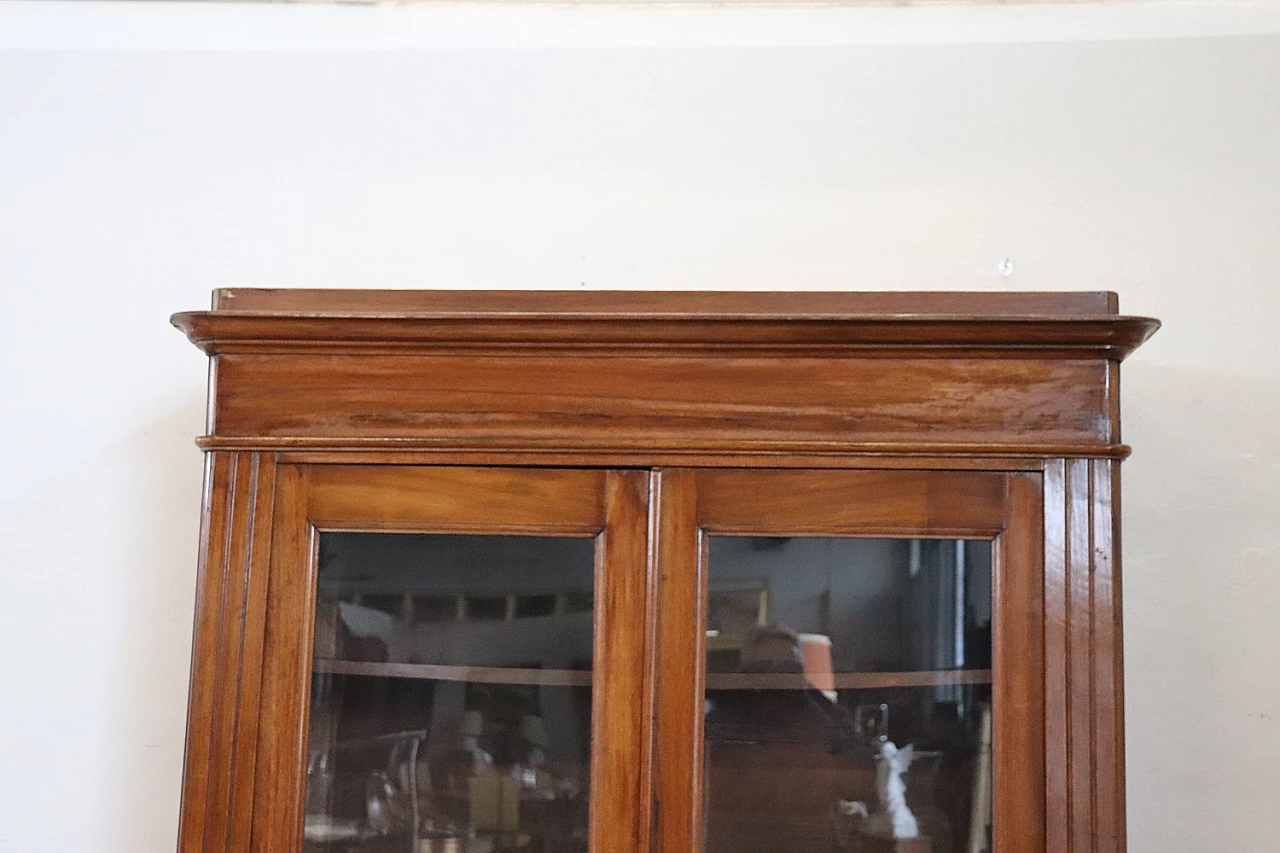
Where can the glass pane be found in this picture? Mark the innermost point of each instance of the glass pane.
(450, 695)
(848, 703)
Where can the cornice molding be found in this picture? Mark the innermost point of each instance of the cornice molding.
(1110, 337)
(668, 450)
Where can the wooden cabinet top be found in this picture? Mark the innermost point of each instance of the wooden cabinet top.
(650, 378)
(982, 324)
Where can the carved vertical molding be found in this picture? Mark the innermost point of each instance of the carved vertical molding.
(1056, 622)
(227, 651)
(1084, 716)
(1080, 686)
(1108, 746)
(274, 823)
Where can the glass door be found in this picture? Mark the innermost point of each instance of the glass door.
(864, 663)
(472, 678)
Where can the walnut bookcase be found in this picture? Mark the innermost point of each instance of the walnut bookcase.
(655, 422)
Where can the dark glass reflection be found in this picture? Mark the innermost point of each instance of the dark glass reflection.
(848, 695)
(451, 694)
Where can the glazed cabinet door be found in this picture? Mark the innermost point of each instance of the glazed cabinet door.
(852, 662)
(453, 660)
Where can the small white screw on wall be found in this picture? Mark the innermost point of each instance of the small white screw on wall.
(1006, 267)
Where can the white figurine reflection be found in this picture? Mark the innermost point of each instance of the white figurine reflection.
(894, 818)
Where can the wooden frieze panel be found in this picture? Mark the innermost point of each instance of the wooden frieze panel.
(660, 403)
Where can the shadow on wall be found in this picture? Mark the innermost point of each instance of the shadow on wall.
(1202, 558)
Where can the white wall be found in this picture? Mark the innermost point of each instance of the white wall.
(134, 181)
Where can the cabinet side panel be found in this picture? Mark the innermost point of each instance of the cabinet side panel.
(236, 564)
(1084, 714)
(1108, 736)
(278, 777)
(253, 638)
(215, 525)
(226, 648)
(620, 401)
(1055, 652)
(1080, 657)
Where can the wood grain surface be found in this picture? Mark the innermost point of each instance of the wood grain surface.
(223, 709)
(1084, 659)
(677, 303)
(667, 403)
(899, 335)
(979, 415)
(280, 780)
(621, 709)
(1020, 822)
(846, 503)
(681, 622)
(456, 500)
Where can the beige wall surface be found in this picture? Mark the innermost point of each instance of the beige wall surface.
(132, 183)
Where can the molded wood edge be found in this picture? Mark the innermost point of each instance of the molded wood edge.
(988, 302)
(1111, 337)
(691, 456)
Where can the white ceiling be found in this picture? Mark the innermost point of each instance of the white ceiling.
(486, 24)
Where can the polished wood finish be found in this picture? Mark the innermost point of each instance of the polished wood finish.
(668, 403)
(1021, 821)
(1108, 677)
(990, 415)
(1084, 657)
(921, 455)
(928, 335)
(863, 503)
(621, 710)
(681, 566)
(456, 500)
(279, 782)
(675, 304)
(676, 373)
(227, 652)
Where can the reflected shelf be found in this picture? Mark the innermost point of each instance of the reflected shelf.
(582, 678)
(847, 680)
(441, 672)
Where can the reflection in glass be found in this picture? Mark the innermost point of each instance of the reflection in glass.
(848, 693)
(450, 695)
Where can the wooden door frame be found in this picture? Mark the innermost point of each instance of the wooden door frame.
(1077, 508)
(1005, 508)
(245, 783)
